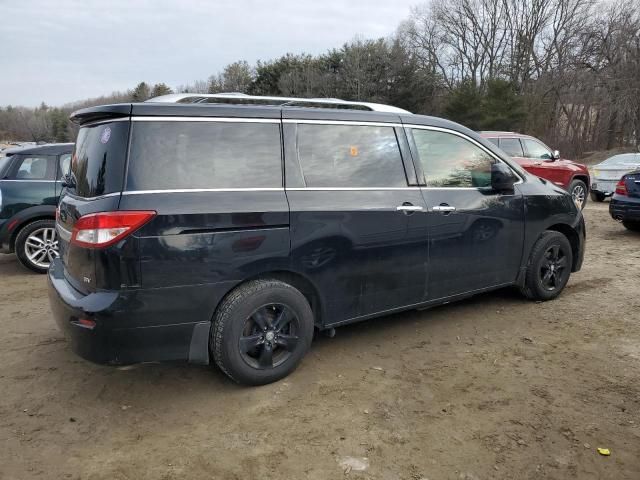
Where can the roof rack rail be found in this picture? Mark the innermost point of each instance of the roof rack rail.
(244, 99)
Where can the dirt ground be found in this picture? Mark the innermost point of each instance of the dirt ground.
(490, 388)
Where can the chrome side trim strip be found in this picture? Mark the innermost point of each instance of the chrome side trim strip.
(98, 197)
(27, 180)
(202, 190)
(206, 119)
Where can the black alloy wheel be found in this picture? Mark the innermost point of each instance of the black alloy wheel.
(269, 336)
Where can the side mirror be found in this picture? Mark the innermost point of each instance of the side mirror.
(556, 155)
(502, 178)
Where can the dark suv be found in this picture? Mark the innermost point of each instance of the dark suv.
(29, 189)
(228, 231)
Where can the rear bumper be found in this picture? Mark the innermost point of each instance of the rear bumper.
(122, 333)
(625, 208)
(605, 187)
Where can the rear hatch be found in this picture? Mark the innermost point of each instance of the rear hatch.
(94, 185)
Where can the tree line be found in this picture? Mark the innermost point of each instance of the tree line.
(567, 71)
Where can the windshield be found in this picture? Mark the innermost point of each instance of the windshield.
(98, 161)
(632, 158)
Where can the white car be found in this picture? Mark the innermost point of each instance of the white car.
(606, 174)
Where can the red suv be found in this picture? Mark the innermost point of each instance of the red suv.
(535, 157)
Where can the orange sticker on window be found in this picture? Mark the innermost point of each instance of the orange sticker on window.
(354, 151)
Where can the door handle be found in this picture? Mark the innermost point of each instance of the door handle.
(409, 208)
(444, 208)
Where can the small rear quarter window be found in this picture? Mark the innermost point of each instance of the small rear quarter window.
(169, 155)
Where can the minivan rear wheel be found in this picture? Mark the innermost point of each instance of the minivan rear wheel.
(549, 267)
(37, 245)
(261, 331)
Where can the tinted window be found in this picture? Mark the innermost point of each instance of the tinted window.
(452, 161)
(192, 155)
(63, 164)
(350, 156)
(536, 149)
(512, 147)
(98, 160)
(494, 141)
(35, 168)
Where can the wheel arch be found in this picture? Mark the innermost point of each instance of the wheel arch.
(28, 216)
(574, 240)
(301, 283)
(583, 178)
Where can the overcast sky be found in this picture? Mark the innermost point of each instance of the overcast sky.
(58, 51)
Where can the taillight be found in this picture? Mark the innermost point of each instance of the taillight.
(99, 230)
(621, 187)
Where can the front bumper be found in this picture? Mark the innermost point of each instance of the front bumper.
(625, 208)
(122, 333)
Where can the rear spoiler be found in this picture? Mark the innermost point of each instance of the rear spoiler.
(99, 113)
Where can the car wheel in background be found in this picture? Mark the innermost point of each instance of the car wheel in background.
(597, 196)
(261, 331)
(579, 191)
(37, 245)
(549, 267)
(633, 226)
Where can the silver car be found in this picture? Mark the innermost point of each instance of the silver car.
(605, 175)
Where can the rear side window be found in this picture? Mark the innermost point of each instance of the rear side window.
(41, 167)
(452, 161)
(203, 155)
(350, 156)
(98, 161)
(512, 147)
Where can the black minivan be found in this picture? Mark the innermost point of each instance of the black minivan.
(199, 227)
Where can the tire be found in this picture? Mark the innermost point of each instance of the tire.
(579, 192)
(245, 330)
(633, 226)
(597, 196)
(537, 284)
(37, 245)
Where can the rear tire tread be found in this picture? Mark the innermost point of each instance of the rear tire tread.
(224, 316)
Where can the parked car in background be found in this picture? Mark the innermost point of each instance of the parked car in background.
(535, 157)
(15, 148)
(607, 174)
(625, 204)
(228, 232)
(30, 185)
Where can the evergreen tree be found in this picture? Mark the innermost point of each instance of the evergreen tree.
(141, 92)
(160, 89)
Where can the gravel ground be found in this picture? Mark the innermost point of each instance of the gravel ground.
(494, 387)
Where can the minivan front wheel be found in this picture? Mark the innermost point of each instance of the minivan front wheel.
(549, 267)
(37, 245)
(261, 331)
